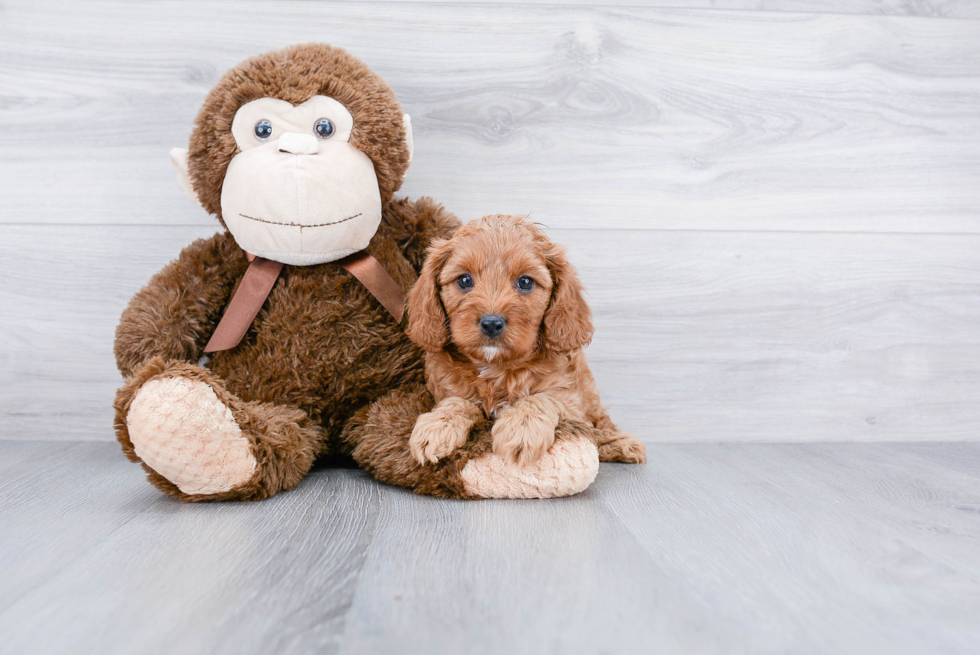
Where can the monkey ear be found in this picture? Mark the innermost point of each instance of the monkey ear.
(409, 137)
(178, 156)
(426, 316)
(568, 321)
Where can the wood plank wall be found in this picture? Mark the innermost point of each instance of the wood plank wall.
(775, 205)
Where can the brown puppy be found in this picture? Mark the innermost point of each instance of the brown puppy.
(500, 313)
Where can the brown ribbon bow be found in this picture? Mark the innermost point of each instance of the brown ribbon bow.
(262, 274)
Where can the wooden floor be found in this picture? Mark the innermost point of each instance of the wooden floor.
(709, 548)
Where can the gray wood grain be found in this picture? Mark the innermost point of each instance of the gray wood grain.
(47, 515)
(854, 527)
(931, 8)
(709, 548)
(958, 457)
(700, 336)
(716, 174)
(613, 116)
(171, 577)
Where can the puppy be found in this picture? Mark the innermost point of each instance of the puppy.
(501, 316)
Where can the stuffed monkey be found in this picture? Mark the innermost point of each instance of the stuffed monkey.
(281, 339)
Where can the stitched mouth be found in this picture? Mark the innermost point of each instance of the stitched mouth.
(262, 220)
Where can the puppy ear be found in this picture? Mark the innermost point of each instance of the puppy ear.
(426, 316)
(568, 321)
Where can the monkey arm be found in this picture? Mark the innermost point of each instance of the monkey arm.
(174, 314)
(378, 435)
(413, 224)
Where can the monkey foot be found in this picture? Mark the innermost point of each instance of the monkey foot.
(181, 430)
(567, 468)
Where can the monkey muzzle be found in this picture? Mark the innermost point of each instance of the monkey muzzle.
(301, 201)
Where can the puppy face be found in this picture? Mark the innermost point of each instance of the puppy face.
(495, 288)
(502, 289)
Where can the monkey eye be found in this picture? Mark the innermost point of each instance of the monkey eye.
(524, 283)
(263, 129)
(323, 128)
(465, 282)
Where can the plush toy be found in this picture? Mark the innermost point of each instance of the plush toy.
(281, 339)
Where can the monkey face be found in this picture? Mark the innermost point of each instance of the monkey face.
(298, 191)
(251, 162)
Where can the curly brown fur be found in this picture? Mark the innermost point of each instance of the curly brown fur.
(296, 74)
(414, 225)
(379, 437)
(533, 373)
(174, 314)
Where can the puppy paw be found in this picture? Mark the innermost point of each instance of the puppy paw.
(522, 435)
(435, 436)
(623, 448)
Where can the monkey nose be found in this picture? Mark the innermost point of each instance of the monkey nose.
(299, 144)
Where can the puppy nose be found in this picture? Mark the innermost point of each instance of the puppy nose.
(492, 324)
(299, 144)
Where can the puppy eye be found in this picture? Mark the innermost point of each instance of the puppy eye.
(263, 129)
(323, 128)
(464, 282)
(524, 283)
